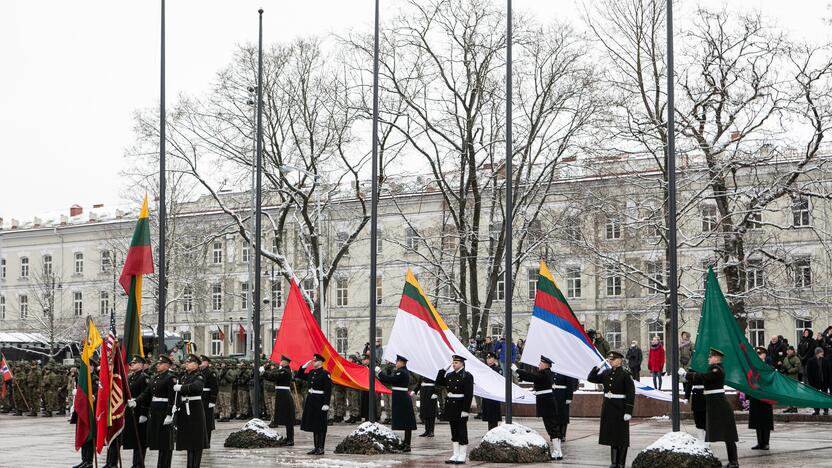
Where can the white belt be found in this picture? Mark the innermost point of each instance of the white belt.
(280, 387)
(206, 389)
(316, 392)
(714, 391)
(456, 395)
(159, 400)
(188, 401)
(614, 395)
(543, 392)
(427, 385)
(400, 389)
(559, 387)
(698, 387)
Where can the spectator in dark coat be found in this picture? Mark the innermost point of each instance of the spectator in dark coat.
(805, 348)
(634, 359)
(655, 362)
(819, 375)
(777, 352)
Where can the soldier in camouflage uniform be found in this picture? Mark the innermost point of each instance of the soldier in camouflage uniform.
(50, 386)
(63, 383)
(268, 390)
(243, 402)
(20, 401)
(354, 398)
(33, 391)
(338, 406)
(387, 398)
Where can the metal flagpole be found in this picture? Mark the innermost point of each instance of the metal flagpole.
(258, 225)
(508, 220)
(163, 212)
(671, 225)
(374, 230)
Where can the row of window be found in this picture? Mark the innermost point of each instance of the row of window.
(47, 264)
(77, 305)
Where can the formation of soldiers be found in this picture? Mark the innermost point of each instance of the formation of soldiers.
(37, 389)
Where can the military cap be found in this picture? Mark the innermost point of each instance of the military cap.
(193, 358)
(204, 358)
(545, 359)
(138, 359)
(491, 355)
(164, 359)
(761, 350)
(457, 357)
(401, 358)
(615, 355)
(318, 357)
(716, 352)
(284, 357)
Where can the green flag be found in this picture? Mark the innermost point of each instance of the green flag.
(744, 370)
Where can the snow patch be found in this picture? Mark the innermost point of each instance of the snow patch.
(331, 462)
(261, 427)
(680, 442)
(515, 435)
(661, 418)
(375, 429)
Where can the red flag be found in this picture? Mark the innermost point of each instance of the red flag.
(241, 333)
(102, 401)
(7, 375)
(119, 394)
(222, 334)
(300, 337)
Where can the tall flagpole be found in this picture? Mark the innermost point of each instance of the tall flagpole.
(374, 230)
(163, 211)
(507, 277)
(671, 225)
(258, 225)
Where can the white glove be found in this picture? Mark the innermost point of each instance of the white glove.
(514, 367)
(142, 419)
(131, 403)
(262, 369)
(168, 420)
(177, 387)
(411, 393)
(464, 414)
(378, 369)
(325, 408)
(433, 397)
(627, 417)
(568, 401)
(211, 405)
(683, 374)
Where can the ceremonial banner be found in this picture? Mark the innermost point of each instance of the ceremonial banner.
(744, 370)
(83, 404)
(139, 261)
(300, 338)
(420, 335)
(554, 332)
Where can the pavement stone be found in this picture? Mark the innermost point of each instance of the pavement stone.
(47, 442)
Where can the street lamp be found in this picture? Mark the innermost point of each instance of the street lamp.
(316, 178)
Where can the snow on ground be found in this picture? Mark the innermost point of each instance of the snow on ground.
(261, 427)
(335, 463)
(516, 435)
(680, 442)
(375, 429)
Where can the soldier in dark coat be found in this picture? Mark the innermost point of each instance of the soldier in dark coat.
(427, 405)
(491, 411)
(284, 405)
(719, 424)
(460, 386)
(160, 396)
(696, 396)
(209, 394)
(316, 406)
(563, 388)
(544, 400)
(617, 409)
(819, 375)
(760, 414)
(191, 432)
(398, 379)
(134, 436)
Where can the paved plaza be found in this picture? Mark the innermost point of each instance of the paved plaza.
(41, 442)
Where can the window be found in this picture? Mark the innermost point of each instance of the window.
(755, 220)
(2, 307)
(754, 274)
(187, 299)
(411, 239)
(79, 263)
(501, 287)
(494, 230)
(23, 300)
(496, 331)
(573, 229)
(244, 295)
(613, 333)
(24, 267)
(533, 273)
(756, 332)
(379, 290)
(655, 328)
(379, 243)
(341, 292)
(341, 340)
(799, 326)
(216, 297)
(103, 302)
(573, 281)
(342, 238)
(277, 292)
(448, 238)
(2, 268)
(800, 212)
(216, 253)
(655, 275)
(47, 265)
(106, 260)
(245, 254)
(613, 274)
(708, 212)
(613, 228)
(216, 343)
(309, 287)
(802, 269)
(78, 303)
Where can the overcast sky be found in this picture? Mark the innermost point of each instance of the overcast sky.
(72, 73)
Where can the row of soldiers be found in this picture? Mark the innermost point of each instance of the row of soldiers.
(37, 389)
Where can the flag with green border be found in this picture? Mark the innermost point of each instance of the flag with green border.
(139, 261)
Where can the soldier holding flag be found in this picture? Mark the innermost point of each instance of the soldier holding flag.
(134, 436)
(460, 385)
(402, 406)
(284, 406)
(191, 434)
(617, 409)
(316, 406)
(160, 396)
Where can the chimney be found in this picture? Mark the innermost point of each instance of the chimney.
(97, 206)
(75, 210)
(93, 217)
(37, 222)
(15, 223)
(64, 220)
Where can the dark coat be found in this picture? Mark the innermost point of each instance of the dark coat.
(284, 404)
(634, 357)
(760, 414)
(563, 388)
(460, 385)
(819, 373)
(137, 381)
(402, 405)
(191, 431)
(719, 415)
(696, 398)
(427, 398)
(615, 431)
(209, 398)
(314, 418)
(543, 381)
(805, 347)
(160, 388)
(491, 410)
(777, 352)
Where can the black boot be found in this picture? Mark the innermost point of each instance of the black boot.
(407, 436)
(290, 436)
(613, 457)
(622, 457)
(321, 442)
(731, 448)
(314, 450)
(197, 458)
(190, 462)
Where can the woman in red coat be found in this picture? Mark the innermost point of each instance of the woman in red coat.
(655, 362)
